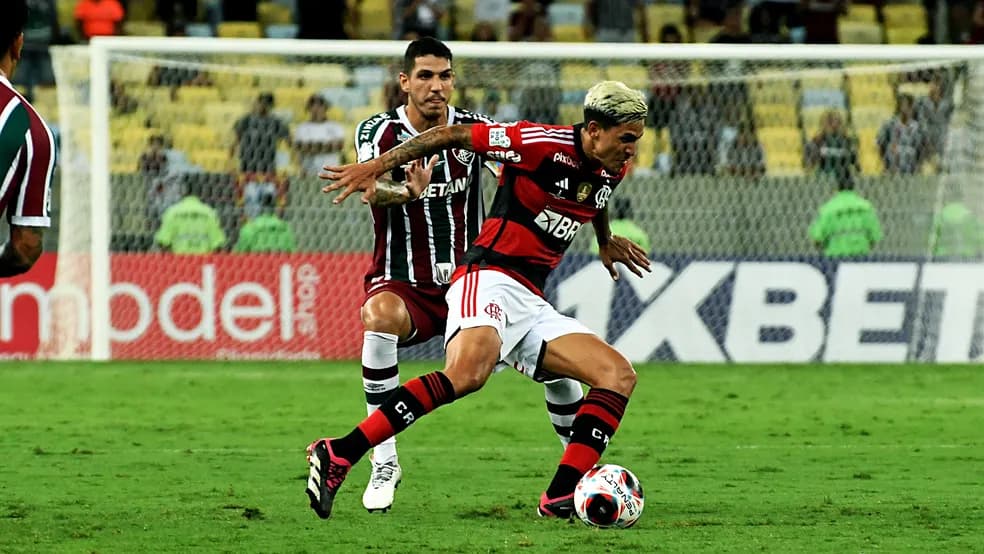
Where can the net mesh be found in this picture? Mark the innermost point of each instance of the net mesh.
(736, 159)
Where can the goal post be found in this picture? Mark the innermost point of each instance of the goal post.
(712, 221)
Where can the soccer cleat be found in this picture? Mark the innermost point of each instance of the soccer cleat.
(562, 507)
(328, 472)
(382, 486)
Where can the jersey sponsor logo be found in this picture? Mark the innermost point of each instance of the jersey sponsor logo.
(583, 191)
(464, 156)
(561, 157)
(557, 225)
(498, 137)
(436, 190)
(504, 156)
(601, 199)
(563, 183)
(494, 311)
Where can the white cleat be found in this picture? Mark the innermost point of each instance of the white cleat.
(383, 481)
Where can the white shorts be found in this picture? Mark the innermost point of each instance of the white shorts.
(525, 322)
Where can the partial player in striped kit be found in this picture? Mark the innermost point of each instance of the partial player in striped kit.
(27, 154)
(419, 241)
(555, 179)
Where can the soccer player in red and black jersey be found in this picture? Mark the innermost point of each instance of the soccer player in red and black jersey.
(418, 242)
(555, 179)
(27, 154)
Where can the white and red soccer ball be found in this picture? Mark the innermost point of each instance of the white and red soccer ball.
(608, 496)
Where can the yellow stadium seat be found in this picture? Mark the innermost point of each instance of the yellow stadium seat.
(188, 137)
(904, 15)
(240, 29)
(571, 113)
(66, 15)
(214, 160)
(578, 75)
(783, 162)
(135, 72)
(195, 97)
(376, 20)
(140, 10)
(150, 96)
(568, 32)
(294, 98)
(144, 28)
(132, 138)
(777, 139)
(871, 94)
(863, 13)
(767, 90)
(272, 13)
(658, 15)
(325, 75)
(775, 115)
(356, 115)
(859, 32)
(904, 35)
(870, 161)
(821, 79)
(634, 76)
(871, 116)
(915, 89)
(168, 115)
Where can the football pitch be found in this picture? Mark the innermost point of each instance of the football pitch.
(209, 457)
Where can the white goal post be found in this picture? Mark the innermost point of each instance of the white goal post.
(787, 62)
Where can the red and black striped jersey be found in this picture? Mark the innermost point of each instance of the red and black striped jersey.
(548, 189)
(27, 160)
(422, 241)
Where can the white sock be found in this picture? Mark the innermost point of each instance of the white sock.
(563, 400)
(380, 377)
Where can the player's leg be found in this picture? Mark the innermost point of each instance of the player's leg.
(563, 398)
(611, 378)
(387, 323)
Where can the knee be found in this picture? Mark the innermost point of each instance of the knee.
(468, 374)
(380, 322)
(623, 376)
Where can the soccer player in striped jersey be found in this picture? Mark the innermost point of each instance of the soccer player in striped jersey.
(555, 179)
(418, 243)
(27, 154)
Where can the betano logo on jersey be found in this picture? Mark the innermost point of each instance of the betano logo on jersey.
(557, 225)
(435, 190)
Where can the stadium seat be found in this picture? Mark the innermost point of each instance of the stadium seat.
(188, 137)
(223, 115)
(811, 119)
(578, 75)
(775, 115)
(132, 138)
(272, 13)
(783, 162)
(568, 33)
(781, 145)
(904, 35)
(166, 116)
(197, 96)
(634, 76)
(871, 116)
(658, 15)
(239, 29)
(213, 160)
(198, 30)
(870, 161)
(767, 90)
(293, 98)
(151, 96)
(861, 13)
(140, 10)
(564, 13)
(345, 97)
(859, 32)
(824, 97)
(821, 79)
(904, 15)
(357, 115)
(571, 113)
(371, 76)
(144, 28)
(325, 75)
(281, 31)
(864, 93)
(377, 20)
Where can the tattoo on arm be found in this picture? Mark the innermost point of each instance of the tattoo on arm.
(427, 143)
(390, 193)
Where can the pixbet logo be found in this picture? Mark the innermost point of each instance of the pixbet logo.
(245, 311)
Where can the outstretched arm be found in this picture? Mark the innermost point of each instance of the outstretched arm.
(613, 248)
(362, 177)
(391, 193)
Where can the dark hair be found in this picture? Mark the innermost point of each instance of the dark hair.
(266, 98)
(317, 99)
(12, 23)
(669, 29)
(426, 46)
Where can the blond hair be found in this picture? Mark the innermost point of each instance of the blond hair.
(614, 103)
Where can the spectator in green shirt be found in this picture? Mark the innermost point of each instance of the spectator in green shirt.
(190, 227)
(956, 232)
(266, 232)
(847, 224)
(622, 225)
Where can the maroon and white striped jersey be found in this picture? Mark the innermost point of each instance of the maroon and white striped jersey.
(27, 160)
(547, 190)
(422, 241)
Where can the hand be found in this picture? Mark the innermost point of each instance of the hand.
(351, 178)
(626, 252)
(419, 175)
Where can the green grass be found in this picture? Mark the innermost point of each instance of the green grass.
(208, 457)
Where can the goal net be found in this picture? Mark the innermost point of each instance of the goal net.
(742, 147)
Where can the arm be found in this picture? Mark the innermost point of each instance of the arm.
(21, 251)
(602, 229)
(363, 176)
(612, 248)
(391, 193)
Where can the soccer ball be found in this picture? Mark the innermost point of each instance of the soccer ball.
(608, 496)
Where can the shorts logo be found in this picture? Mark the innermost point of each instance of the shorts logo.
(583, 190)
(494, 311)
(498, 137)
